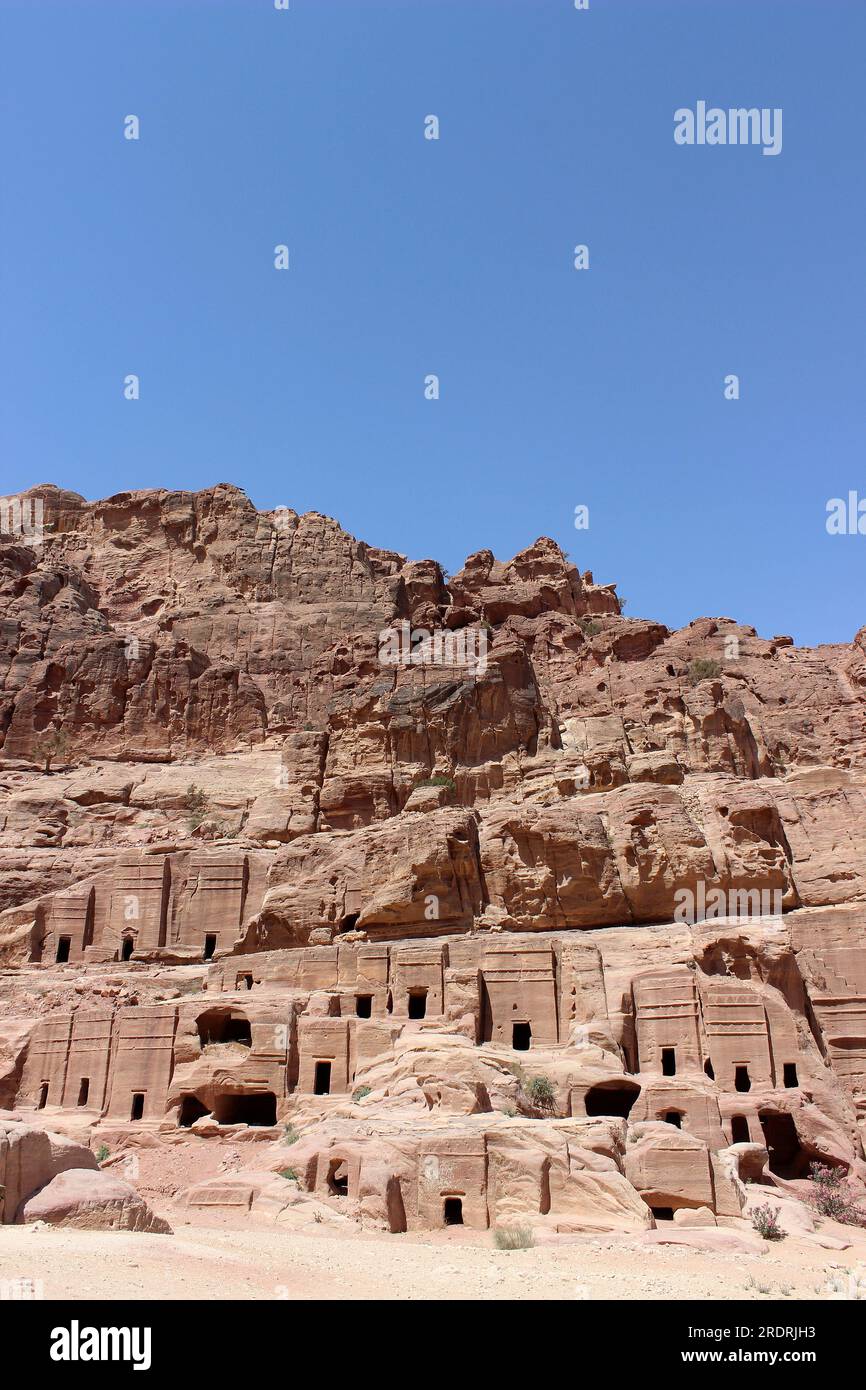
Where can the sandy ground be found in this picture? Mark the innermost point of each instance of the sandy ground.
(211, 1262)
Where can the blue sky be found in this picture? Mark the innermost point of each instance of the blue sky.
(409, 257)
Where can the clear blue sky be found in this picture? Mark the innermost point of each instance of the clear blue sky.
(454, 257)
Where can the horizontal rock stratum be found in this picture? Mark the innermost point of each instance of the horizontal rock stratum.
(474, 900)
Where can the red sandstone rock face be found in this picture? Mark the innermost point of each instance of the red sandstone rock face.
(425, 888)
(92, 1201)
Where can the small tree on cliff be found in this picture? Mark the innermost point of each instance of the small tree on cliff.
(54, 745)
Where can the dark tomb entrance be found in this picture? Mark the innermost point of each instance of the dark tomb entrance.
(191, 1109)
(611, 1100)
(787, 1158)
(452, 1211)
(258, 1109)
(417, 1003)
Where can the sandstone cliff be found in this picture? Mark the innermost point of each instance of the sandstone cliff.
(636, 854)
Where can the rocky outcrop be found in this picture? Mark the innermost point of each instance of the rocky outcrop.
(92, 1201)
(462, 899)
(30, 1159)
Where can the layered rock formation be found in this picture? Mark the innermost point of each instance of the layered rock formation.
(506, 907)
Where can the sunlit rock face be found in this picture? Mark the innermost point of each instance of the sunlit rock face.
(511, 908)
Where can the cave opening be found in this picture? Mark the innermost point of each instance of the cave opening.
(258, 1109)
(787, 1158)
(521, 1037)
(613, 1101)
(338, 1178)
(224, 1026)
(452, 1211)
(191, 1109)
(417, 1003)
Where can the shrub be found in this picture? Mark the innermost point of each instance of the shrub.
(290, 1134)
(589, 627)
(360, 1092)
(196, 802)
(831, 1199)
(513, 1238)
(703, 670)
(438, 781)
(765, 1220)
(102, 1153)
(54, 745)
(289, 1174)
(539, 1091)
(195, 799)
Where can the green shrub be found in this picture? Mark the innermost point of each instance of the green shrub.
(831, 1199)
(539, 1091)
(102, 1153)
(438, 781)
(590, 627)
(704, 670)
(765, 1220)
(289, 1174)
(196, 802)
(513, 1238)
(54, 745)
(195, 799)
(290, 1134)
(360, 1092)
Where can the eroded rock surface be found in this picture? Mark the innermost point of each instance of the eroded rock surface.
(555, 918)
